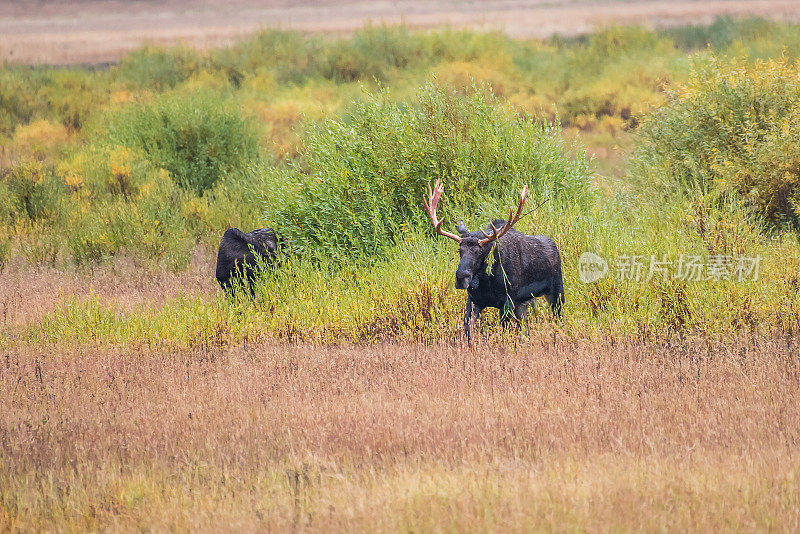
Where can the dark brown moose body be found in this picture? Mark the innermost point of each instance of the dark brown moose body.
(523, 267)
(239, 252)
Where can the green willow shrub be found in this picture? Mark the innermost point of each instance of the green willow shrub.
(150, 225)
(158, 69)
(31, 192)
(358, 186)
(122, 204)
(198, 137)
(721, 33)
(18, 101)
(67, 95)
(757, 37)
(732, 129)
(372, 52)
(73, 98)
(290, 56)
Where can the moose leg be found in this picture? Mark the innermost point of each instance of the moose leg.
(521, 311)
(556, 296)
(470, 318)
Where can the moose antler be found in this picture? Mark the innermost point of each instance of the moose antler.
(512, 219)
(430, 205)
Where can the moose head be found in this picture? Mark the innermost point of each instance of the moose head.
(473, 247)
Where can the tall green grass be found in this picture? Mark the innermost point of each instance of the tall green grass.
(409, 294)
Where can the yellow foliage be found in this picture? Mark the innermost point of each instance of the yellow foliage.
(207, 80)
(611, 123)
(38, 139)
(262, 81)
(497, 71)
(109, 170)
(733, 126)
(121, 97)
(195, 208)
(280, 120)
(120, 161)
(283, 114)
(72, 173)
(533, 103)
(30, 172)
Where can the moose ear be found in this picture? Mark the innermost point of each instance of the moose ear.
(462, 228)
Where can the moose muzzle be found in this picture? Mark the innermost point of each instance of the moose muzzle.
(465, 280)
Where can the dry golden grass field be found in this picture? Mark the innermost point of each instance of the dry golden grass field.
(550, 434)
(543, 431)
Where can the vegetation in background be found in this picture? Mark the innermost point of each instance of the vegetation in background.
(194, 136)
(731, 128)
(358, 187)
(159, 69)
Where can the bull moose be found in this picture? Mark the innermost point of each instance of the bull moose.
(239, 252)
(524, 266)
